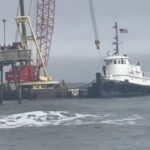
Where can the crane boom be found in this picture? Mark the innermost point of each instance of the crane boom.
(41, 40)
(22, 13)
(97, 42)
(44, 28)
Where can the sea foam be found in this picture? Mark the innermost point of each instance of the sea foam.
(57, 118)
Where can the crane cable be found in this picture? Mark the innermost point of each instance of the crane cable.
(30, 6)
(17, 34)
(97, 42)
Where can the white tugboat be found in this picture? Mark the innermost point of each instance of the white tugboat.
(118, 67)
(120, 77)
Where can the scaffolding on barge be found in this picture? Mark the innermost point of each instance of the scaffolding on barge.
(11, 57)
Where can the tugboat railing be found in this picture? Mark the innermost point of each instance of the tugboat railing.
(146, 74)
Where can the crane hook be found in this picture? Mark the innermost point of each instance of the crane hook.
(97, 43)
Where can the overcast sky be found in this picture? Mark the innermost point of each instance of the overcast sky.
(73, 54)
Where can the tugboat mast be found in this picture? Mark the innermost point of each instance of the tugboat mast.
(116, 39)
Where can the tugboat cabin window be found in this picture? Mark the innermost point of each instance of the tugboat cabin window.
(123, 61)
(108, 62)
(116, 61)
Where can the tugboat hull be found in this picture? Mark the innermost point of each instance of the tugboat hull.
(112, 88)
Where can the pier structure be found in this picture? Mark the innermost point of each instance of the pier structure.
(11, 57)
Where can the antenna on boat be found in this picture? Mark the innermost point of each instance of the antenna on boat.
(116, 39)
(116, 42)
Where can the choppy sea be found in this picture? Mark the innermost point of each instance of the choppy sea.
(76, 124)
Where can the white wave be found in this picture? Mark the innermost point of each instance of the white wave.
(55, 118)
(125, 121)
(41, 118)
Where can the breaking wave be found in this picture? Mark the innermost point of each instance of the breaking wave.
(57, 118)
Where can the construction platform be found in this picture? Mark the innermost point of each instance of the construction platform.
(14, 55)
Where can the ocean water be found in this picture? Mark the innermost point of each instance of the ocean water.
(76, 124)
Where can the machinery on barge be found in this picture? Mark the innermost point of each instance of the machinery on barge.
(29, 67)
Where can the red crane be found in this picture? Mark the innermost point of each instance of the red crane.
(44, 28)
(42, 39)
